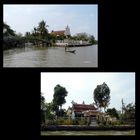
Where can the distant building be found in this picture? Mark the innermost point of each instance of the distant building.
(65, 32)
(83, 110)
(90, 112)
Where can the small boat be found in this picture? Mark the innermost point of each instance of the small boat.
(73, 51)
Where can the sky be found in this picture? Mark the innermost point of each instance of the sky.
(80, 86)
(80, 18)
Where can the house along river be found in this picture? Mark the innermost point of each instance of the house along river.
(86, 56)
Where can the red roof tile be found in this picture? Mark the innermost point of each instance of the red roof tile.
(58, 32)
(83, 107)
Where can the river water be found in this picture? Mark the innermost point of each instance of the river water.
(88, 133)
(51, 57)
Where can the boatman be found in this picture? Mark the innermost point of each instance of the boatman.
(65, 47)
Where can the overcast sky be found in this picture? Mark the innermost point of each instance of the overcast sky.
(80, 18)
(80, 86)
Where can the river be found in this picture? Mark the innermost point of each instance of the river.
(51, 57)
(88, 133)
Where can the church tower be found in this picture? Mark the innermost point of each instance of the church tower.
(67, 31)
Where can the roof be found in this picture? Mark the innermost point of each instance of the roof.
(58, 32)
(83, 107)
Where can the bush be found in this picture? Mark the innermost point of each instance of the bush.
(104, 122)
(98, 121)
(50, 122)
(75, 122)
(82, 122)
(68, 122)
(60, 121)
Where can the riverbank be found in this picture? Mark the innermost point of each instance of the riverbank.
(72, 45)
(85, 127)
(79, 45)
(86, 133)
(15, 45)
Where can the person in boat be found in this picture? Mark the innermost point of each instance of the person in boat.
(71, 51)
(65, 47)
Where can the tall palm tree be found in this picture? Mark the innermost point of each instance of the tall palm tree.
(35, 30)
(42, 29)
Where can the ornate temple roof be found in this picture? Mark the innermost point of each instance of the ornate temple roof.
(83, 107)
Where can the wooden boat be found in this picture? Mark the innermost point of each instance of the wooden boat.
(73, 51)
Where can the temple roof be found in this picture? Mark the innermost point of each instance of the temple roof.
(83, 107)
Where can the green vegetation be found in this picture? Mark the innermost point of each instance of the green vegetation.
(38, 36)
(112, 112)
(102, 95)
(49, 111)
(67, 121)
(58, 99)
(7, 31)
(84, 37)
(125, 118)
(53, 114)
(42, 30)
(128, 115)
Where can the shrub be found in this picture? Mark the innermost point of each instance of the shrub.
(60, 121)
(98, 121)
(50, 122)
(75, 122)
(104, 122)
(68, 122)
(82, 122)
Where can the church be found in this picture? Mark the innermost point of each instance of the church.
(65, 32)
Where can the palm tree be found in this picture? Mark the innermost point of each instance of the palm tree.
(34, 35)
(42, 29)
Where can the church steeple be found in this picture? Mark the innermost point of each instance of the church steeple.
(67, 31)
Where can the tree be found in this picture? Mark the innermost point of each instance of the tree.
(49, 111)
(112, 112)
(59, 96)
(42, 102)
(129, 113)
(101, 96)
(42, 29)
(34, 32)
(52, 38)
(92, 39)
(27, 34)
(42, 107)
(82, 36)
(19, 35)
(7, 31)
